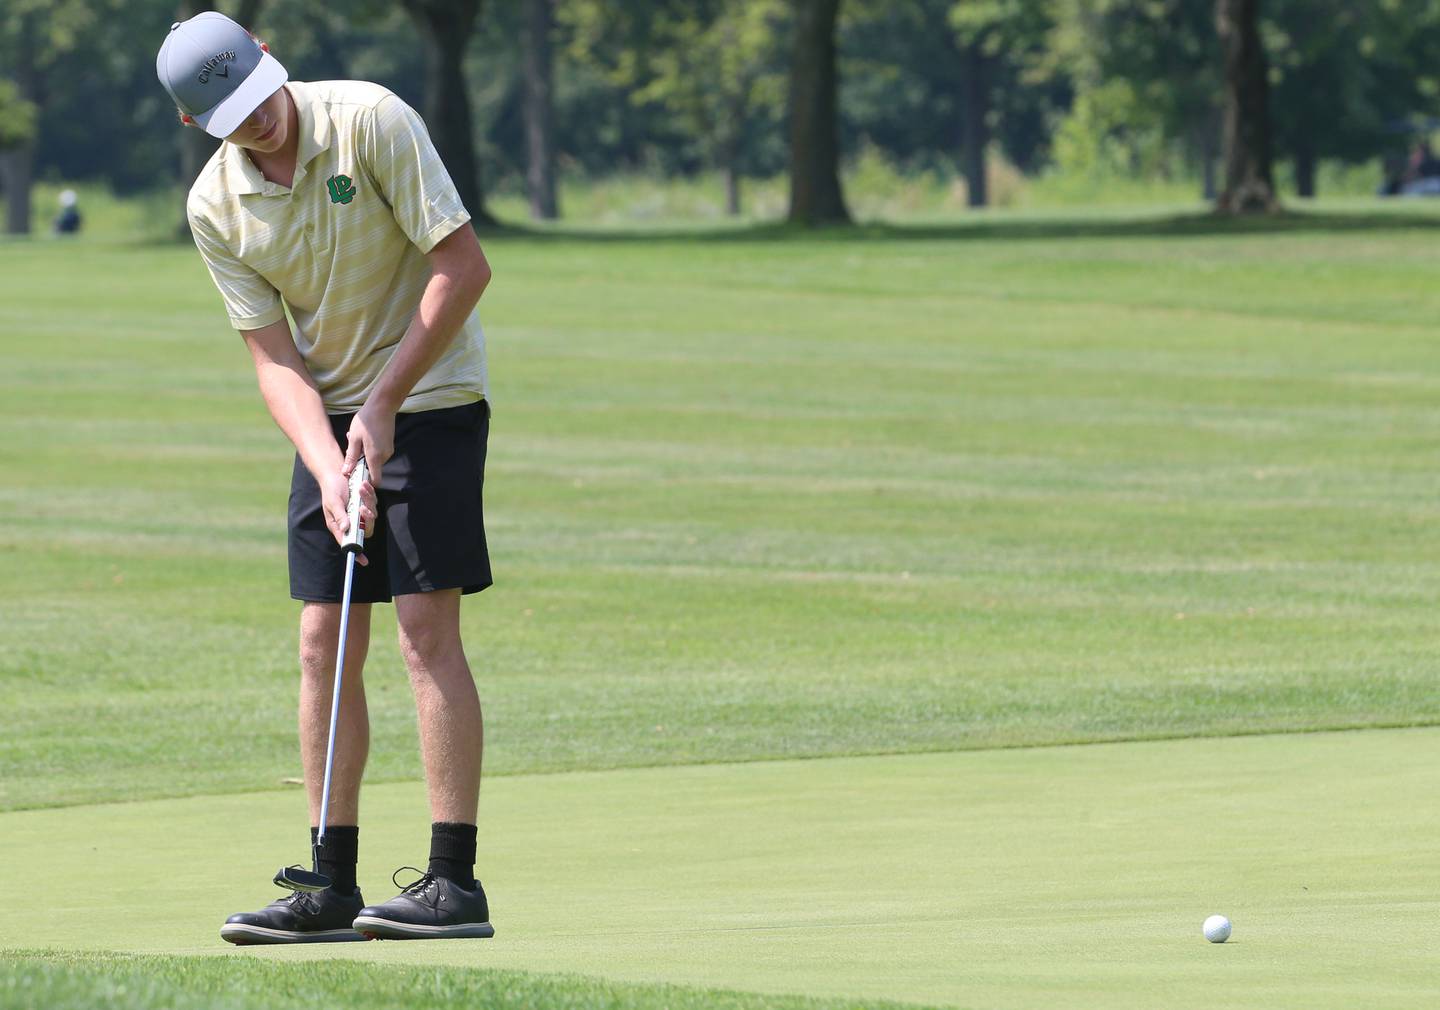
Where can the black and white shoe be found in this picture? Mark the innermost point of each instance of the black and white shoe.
(429, 909)
(299, 917)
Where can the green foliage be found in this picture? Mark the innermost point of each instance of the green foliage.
(660, 88)
(1146, 77)
(48, 29)
(17, 116)
(717, 65)
(1011, 28)
(1112, 132)
(1148, 85)
(1343, 77)
(678, 85)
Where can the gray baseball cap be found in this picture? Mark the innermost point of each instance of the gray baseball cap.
(216, 72)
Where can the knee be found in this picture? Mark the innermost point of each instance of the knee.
(429, 631)
(426, 646)
(317, 644)
(314, 653)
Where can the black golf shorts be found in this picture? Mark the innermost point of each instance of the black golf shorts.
(429, 531)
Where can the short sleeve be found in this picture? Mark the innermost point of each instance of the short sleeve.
(410, 175)
(250, 300)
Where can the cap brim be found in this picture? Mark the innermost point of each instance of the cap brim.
(266, 79)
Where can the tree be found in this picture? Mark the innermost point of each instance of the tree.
(1343, 77)
(1147, 78)
(539, 77)
(1249, 185)
(713, 68)
(446, 26)
(17, 117)
(33, 34)
(614, 108)
(997, 45)
(815, 194)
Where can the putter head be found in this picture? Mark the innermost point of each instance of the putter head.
(297, 878)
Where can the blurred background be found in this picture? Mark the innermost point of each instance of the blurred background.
(613, 111)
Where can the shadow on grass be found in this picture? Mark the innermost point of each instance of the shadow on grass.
(985, 227)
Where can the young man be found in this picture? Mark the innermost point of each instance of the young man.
(329, 199)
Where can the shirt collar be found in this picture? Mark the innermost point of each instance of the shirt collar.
(314, 123)
(313, 126)
(241, 174)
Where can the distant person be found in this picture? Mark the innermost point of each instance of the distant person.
(67, 222)
(329, 200)
(1422, 163)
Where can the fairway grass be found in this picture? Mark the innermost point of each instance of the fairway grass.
(761, 498)
(1072, 876)
(763, 507)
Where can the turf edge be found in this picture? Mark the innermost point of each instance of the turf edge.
(47, 980)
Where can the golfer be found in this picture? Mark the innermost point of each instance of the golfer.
(328, 199)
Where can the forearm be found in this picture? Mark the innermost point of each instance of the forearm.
(295, 404)
(460, 276)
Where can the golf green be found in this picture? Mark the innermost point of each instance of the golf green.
(1062, 876)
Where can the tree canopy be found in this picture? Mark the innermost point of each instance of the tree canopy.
(671, 87)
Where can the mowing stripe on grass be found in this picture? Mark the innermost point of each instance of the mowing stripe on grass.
(752, 499)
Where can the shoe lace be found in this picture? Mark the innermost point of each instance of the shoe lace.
(301, 898)
(416, 886)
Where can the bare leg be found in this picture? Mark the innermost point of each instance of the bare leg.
(319, 640)
(452, 736)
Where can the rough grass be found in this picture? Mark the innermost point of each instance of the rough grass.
(46, 981)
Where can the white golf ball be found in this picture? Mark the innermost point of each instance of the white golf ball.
(1217, 929)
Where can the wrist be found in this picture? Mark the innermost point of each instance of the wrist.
(323, 458)
(385, 400)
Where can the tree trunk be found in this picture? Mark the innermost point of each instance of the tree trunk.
(815, 194)
(1305, 165)
(730, 141)
(539, 77)
(974, 126)
(16, 172)
(1208, 144)
(446, 26)
(1249, 184)
(732, 183)
(17, 165)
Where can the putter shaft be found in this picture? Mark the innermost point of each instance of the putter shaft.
(353, 543)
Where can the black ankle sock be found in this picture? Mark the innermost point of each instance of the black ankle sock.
(336, 858)
(452, 852)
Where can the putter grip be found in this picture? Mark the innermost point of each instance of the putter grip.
(355, 536)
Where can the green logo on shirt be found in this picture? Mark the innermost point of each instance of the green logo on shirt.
(342, 188)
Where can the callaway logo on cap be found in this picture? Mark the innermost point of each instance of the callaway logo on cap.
(216, 73)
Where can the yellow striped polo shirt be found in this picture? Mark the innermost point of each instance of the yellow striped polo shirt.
(343, 247)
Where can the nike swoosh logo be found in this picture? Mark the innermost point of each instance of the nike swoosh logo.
(223, 73)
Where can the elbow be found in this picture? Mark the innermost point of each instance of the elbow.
(480, 275)
(469, 276)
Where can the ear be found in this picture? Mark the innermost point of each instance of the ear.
(265, 47)
(185, 119)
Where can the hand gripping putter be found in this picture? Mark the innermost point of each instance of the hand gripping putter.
(297, 878)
